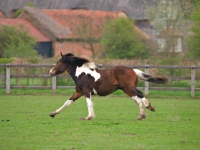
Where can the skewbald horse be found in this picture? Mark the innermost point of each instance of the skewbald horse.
(91, 80)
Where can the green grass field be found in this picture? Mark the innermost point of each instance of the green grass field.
(25, 124)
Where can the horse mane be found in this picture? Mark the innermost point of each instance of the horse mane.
(79, 61)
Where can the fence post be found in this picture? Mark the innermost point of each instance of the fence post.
(7, 78)
(192, 81)
(54, 84)
(146, 84)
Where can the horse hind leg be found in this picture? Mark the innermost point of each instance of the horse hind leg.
(139, 102)
(131, 91)
(146, 103)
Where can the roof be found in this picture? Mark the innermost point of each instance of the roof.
(33, 31)
(1, 15)
(133, 8)
(83, 23)
(71, 24)
(45, 23)
(170, 32)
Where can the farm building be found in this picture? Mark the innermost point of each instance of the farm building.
(76, 31)
(134, 9)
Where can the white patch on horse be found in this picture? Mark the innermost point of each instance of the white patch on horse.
(67, 103)
(145, 102)
(90, 105)
(139, 73)
(51, 70)
(94, 91)
(86, 68)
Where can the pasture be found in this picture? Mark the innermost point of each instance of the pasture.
(25, 124)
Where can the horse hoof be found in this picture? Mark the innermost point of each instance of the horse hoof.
(52, 115)
(87, 118)
(151, 108)
(141, 117)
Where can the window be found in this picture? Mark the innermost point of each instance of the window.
(161, 43)
(172, 45)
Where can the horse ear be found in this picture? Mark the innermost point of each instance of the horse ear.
(61, 54)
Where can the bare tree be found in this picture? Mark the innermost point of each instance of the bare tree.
(88, 30)
(168, 18)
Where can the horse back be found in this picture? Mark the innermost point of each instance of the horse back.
(113, 79)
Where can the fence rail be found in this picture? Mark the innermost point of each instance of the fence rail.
(146, 68)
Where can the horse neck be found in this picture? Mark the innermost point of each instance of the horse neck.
(72, 71)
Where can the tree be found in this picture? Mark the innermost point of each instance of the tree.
(187, 6)
(170, 21)
(193, 40)
(18, 12)
(87, 29)
(16, 42)
(121, 40)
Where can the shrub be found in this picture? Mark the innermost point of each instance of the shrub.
(121, 40)
(17, 42)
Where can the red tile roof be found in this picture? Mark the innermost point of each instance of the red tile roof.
(79, 21)
(86, 23)
(33, 31)
(1, 15)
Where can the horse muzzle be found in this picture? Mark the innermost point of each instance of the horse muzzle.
(51, 73)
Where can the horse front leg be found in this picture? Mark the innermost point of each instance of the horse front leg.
(91, 114)
(90, 105)
(67, 103)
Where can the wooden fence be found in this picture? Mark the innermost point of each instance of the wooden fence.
(54, 86)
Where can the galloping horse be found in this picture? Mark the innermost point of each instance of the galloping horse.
(91, 80)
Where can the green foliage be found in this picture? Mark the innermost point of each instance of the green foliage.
(193, 41)
(20, 11)
(121, 40)
(16, 42)
(6, 60)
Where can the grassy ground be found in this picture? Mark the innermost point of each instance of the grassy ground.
(25, 124)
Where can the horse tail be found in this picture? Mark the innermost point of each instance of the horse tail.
(149, 78)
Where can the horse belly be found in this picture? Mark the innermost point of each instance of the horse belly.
(104, 90)
(108, 82)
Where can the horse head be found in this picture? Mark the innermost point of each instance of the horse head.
(61, 65)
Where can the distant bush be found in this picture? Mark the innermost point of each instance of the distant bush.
(120, 40)
(16, 42)
(6, 60)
